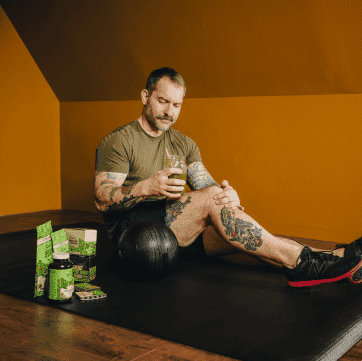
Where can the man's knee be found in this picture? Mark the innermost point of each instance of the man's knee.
(209, 194)
(200, 201)
(211, 191)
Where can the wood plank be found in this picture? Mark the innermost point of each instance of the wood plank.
(57, 334)
(32, 331)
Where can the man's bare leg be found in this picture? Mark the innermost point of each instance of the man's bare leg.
(235, 230)
(215, 246)
(193, 212)
(245, 234)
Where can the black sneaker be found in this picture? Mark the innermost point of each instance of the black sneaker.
(353, 249)
(321, 267)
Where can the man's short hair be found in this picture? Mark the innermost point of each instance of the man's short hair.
(157, 74)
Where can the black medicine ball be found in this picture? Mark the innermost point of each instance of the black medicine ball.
(148, 248)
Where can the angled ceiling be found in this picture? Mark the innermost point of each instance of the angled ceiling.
(104, 50)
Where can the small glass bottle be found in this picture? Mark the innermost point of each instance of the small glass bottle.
(60, 279)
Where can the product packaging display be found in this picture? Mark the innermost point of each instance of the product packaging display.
(44, 256)
(91, 295)
(60, 283)
(85, 287)
(82, 241)
(60, 241)
(64, 257)
(84, 267)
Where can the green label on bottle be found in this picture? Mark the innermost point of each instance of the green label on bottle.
(61, 284)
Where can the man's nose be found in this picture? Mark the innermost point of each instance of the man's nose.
(168, 110)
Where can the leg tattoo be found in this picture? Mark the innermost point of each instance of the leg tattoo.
(175, 209)
(240, 231)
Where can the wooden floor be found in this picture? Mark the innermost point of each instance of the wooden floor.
(31, 331)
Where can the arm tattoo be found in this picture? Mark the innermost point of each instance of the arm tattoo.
(109, 189)
(199, 177)
(127, 202)
(112, 175)
(174, 209)
(241, 231)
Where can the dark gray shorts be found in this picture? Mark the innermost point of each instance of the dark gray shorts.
(156, 210)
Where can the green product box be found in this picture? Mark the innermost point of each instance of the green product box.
(60, 241)
(82, 241)
(86, 287)
(92, 295)
(44, 256)
(84, 267)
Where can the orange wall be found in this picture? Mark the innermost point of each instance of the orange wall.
(83, 125)
(294, 161)
(29, 130)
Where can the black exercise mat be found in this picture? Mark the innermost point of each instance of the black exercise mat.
(241, 310)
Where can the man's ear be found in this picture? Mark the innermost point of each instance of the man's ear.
(144, 96)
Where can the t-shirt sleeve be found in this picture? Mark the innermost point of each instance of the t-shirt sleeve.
(194, 154)
(112, 154)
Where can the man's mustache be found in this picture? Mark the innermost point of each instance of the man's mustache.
(164, 117)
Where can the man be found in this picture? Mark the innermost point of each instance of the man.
(131, 183)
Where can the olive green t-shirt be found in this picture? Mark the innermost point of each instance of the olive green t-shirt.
(129, 149)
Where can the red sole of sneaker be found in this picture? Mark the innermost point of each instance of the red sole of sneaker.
(348, 275)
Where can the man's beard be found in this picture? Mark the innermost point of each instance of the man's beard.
(152, 120)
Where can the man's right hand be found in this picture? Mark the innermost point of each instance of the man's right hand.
(160, 185)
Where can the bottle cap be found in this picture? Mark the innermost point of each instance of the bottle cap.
(61, 255)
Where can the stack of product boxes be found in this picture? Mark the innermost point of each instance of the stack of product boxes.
(80, 243)
(82, 249)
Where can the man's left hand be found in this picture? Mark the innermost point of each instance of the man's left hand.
(228, 196)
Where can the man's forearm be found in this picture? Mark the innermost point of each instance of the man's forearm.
(111, 197)
(199, 178)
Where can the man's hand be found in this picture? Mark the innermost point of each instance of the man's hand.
(160, 185)
(228, 196)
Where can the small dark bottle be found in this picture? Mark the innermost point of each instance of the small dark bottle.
(60, 279)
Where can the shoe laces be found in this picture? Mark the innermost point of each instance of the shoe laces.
(323, 256)
(317, 261)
